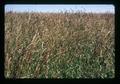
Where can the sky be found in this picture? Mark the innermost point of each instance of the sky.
(57, 8)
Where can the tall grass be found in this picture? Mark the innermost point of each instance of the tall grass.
(59, 45)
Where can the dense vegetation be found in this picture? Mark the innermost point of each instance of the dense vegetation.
(59, 45)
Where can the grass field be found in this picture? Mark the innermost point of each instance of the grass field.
(59, 45)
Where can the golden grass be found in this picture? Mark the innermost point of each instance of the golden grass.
(59, 45)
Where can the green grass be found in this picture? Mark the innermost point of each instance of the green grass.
(59, 45)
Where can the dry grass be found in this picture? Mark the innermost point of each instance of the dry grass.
(59, 45)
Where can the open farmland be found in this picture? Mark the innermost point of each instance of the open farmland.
(59, 45)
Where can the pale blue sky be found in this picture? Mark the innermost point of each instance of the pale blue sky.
(55, 8)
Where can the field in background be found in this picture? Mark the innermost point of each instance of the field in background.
(59, 45)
